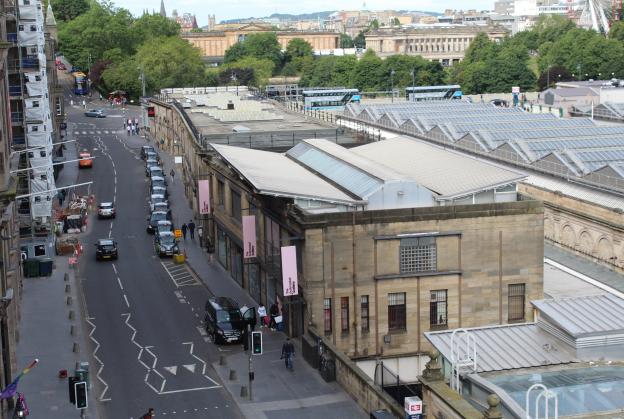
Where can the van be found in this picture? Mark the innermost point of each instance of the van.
(225, 322)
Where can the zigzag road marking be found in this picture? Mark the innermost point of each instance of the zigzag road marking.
(99, 371)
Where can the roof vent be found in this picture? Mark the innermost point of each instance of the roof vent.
(230, 105)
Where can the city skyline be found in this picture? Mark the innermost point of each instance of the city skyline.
(245, 9)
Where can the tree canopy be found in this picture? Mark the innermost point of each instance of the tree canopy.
(262, 45)
(66, 10)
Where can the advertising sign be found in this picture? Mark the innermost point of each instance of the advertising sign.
(413, 405)
(203, 188)
(249, 236)
(177, 233)
(515, 89)
(289, 271)
(177, 159)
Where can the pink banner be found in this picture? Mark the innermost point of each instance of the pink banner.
(203, 187)
(249, 236)
(289, 270)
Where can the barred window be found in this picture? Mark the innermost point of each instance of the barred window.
(396, 311)
(418, 254)
(438, 308)
(515, 302)
(344, 314)
(327, 314)
(364, 313)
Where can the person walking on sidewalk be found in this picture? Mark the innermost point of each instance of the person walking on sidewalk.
(128, 128)
(200, 234)
(262, 313)
(191, 227)
(172, 173)
(184, 227)
(150, 414)
(288, 351)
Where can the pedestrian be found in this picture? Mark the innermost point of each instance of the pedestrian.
(136, 121)
(150, 414)
(71, 102)
(172, 173)
(288, 351)
(125, 124)
(84, 103)
(138, 128)
(274, 311)
(128, 129)
(61, 198)
(184, 227)
(133, 129)
(200, 234)
(262, 313)
(191, 227)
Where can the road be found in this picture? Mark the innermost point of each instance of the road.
(148, 347)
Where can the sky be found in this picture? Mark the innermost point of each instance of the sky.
(232, 9)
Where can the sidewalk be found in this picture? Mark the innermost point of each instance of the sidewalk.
(45, 332)
(277, 392)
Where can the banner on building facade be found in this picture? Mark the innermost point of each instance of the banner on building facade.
(203, 187)
(249, 236)
(289, 270)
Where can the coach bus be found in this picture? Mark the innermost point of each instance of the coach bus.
(81, 86)
(420, 93)
(329, 99)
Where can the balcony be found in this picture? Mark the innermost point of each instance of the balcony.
(15, 90)
(30, 61)
(12, 37)
(19, 140)
(17, 117)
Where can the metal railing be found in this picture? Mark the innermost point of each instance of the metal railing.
(391, 383)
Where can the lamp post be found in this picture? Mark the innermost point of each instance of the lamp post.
(143, 105)
(392, 85)
(413, 73)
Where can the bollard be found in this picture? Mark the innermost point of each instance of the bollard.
(66, 277)
(67, 288)
(243, 393)
(233, 375)
(71, 314)
(69, 300)
(222, 360)
(72, 330)
(76, 348)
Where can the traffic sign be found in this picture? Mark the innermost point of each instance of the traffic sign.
(178, 233)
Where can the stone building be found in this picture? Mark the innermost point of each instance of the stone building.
(446, 44)
(213, 44)
(393, 238)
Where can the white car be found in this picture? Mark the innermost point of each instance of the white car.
(106, 210)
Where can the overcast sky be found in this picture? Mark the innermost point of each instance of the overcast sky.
(231, 9)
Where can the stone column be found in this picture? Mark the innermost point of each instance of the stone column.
(493, 411)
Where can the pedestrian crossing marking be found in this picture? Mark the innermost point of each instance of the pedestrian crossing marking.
(173, 370)
(190, 367)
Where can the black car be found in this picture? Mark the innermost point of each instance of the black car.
(149, 164)
(105, 249)
(152, 155)
(154, 170)
(145, 149)
(224, 321)
(152, 220)
(159, 190)
(158, 181)
(165, 244)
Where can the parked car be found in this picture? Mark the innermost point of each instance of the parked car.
(155, 170)
(145, 149)
(106, 249)
(149, 164)
(161, 206)
(152, 155)
(95, 113)
(153, 219)
(86, 161)
(499, 102)
(224, 321)
(163, 226)
(106, 210)
(159, 190)
(165, 244)
(157, 181)
(157, 199)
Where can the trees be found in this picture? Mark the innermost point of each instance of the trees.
(298, 47)
(262, 45)
(262, 70)
(368, 73)
(346, 41)
(151, 26)
(66, 10)
(553, 75)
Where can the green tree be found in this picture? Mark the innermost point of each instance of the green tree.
(346, 41)
(262, 69)
(151, 26)
(553, 75)
(262, 45)
(343, 69)
(298, 47)
(124, 76)
(374, 25)
(367, 74)
(197, 30)
(66, 10)
(481, 49)
(360, 40)
(235, 53)
(617, 31)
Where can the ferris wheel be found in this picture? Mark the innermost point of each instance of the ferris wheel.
(597, 14)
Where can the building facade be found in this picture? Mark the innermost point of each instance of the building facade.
(213, 44)
(446, 44)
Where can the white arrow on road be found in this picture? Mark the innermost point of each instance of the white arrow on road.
(190, 367)
(173, 370)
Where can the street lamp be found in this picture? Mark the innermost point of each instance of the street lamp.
(392, 85)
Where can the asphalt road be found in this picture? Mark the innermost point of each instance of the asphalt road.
(146, 327)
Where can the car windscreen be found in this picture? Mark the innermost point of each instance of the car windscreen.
(228, 316)
(167, 240)
(106, 206)
(158, 216)
(107, 247)
(158, 182)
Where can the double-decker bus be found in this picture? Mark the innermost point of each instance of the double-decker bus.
(81, 86)
(329, 99)
(420, 93)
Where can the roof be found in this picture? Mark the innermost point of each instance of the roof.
(584, 316)
(286, 177)
(447, 173)
(509, 347)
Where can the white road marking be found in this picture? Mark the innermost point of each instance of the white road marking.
(99, 371)
(173, 370)
(190, 367)
(126, 300)
(120, 284)
(115, 269)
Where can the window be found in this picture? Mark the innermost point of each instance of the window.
(418, 254)
(364, 313)
(396, 311)
(35, 104)
(438, 309)
(327, 315)
(515, 302)
(344, 314)
(220, 192)
(236, 205)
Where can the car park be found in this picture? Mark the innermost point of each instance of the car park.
(164, 225)
(165, 244)
(153, 219)
(224, 321)
(86, 161)
(145, 149)
(95, 113)
(106, 249)
(106, 210)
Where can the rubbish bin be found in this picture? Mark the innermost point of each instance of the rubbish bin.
(31, 268)
(46, 266)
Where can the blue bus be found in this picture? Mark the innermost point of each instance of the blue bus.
(81, 85)
(420, 93)
(329, 99)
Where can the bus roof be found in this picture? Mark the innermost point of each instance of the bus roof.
(311, 92)
(418, 88)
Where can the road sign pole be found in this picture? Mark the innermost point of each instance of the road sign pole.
(251, 371)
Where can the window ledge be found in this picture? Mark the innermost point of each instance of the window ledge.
(435, 328)
(416, 275)
(397, 332)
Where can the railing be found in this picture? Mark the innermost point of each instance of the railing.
(391, 383)
(17, 117)
(19, 140)
(12, 37)
(30, 61)
(15, 90)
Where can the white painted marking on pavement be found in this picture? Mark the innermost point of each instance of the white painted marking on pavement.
(190, 367)
(115, 269)
(126, 300)
(99, 371)
(120, 284)
(173, 370)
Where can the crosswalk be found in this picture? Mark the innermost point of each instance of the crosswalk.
(100, 132)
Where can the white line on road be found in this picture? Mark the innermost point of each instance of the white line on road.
(99, 371)
(126, 300)
(120, 284)
(115, 269)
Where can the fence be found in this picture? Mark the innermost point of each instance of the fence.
(391, 383)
